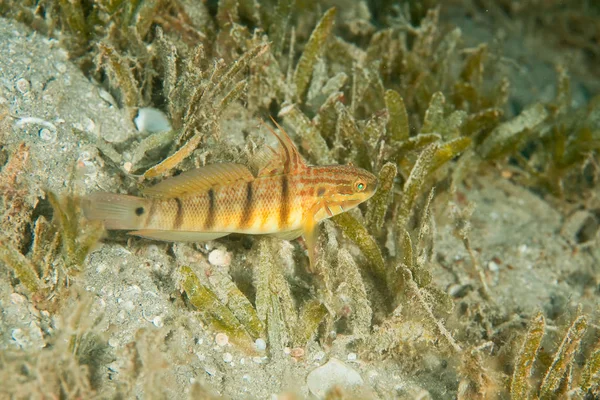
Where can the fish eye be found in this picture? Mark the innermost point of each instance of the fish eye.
(359, 186)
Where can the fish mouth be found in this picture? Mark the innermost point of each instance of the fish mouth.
(350, 204)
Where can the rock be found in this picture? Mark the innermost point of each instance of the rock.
(580, 227)
(333, 373)
(219, 258)
(151, 120)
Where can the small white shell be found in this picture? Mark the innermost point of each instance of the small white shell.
(333, 373)
(221, 339)
(23, 85)
(151, 120)
(260, 344)
(219, 257)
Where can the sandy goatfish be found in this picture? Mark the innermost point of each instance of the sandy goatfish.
(286, 199)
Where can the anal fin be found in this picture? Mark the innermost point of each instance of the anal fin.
(178, 236)
(288, 235)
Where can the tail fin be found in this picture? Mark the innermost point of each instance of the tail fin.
(117, 211)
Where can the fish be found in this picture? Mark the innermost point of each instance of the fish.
(287, 199)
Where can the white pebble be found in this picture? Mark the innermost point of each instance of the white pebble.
(219, 257)
(90, 125)
(107, 97)
(227, 357)
(285, 110)
(151, 120)
(47, 134)
(16, 298)
(260, 344)
(352, 357)
(492, 266)
(23, 85)
(221, 339)
(60, 67)
(333, 373)
(87, 168)
(158, 321)
(101, 268)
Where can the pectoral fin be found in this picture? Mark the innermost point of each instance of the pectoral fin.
(310, 234)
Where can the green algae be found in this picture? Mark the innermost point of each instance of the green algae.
(398, 128)
(590, 373)
(216, 314)
(520, 388)
(58, 254)
(563, 359)
(379, 204)
(313, 48)
(25, 270)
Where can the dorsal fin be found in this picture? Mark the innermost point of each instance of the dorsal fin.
(200, 180)
(287, 159)
(262, 157)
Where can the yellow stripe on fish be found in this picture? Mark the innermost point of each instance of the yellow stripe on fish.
(287, 198)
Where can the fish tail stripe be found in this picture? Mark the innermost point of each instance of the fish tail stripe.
(284, 210)
(248, 206)
(179, 215)
(210, 215)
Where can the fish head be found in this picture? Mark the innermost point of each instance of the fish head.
(342, 188)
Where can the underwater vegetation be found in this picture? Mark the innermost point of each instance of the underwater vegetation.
(58, 248)
(384, 85)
